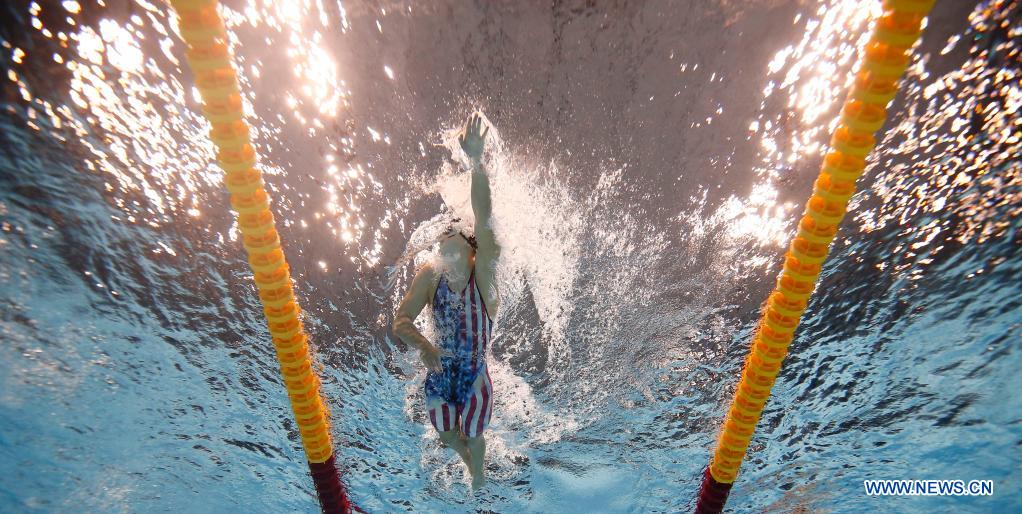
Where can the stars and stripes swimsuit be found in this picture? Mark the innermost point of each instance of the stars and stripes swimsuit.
(462, 392)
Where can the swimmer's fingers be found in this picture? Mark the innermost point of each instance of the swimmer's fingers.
(430, 360)
(487, 131)
(437, 363)
(434, 366)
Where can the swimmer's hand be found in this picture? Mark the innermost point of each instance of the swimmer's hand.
(431, 355)
(472, 140)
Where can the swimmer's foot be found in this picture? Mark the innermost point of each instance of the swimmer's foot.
(478, 481)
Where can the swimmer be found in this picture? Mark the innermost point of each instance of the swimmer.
(460, 285)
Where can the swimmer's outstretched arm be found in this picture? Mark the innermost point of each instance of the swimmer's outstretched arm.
(404, 322)
(473, 141)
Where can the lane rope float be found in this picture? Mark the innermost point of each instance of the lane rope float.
(209, 58)
(882, 63)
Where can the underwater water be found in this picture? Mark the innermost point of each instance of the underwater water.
(648, 160)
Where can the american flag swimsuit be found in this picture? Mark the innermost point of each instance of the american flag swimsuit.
(462, 393)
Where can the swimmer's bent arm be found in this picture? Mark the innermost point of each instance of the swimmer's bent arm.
(404, 321)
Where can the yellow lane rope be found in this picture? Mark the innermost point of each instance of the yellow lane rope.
(884, 60)
(210, 60)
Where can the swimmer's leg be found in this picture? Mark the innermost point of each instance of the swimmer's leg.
(446, 419)
(477, 448)
(477, 419)
(453, 439)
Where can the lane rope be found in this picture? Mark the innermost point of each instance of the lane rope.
(882, 63)
(209, 58)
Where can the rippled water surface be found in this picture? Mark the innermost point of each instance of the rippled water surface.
(648, 161)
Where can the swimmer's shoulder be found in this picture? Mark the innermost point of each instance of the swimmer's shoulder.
(427, 276)
(425, 272)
